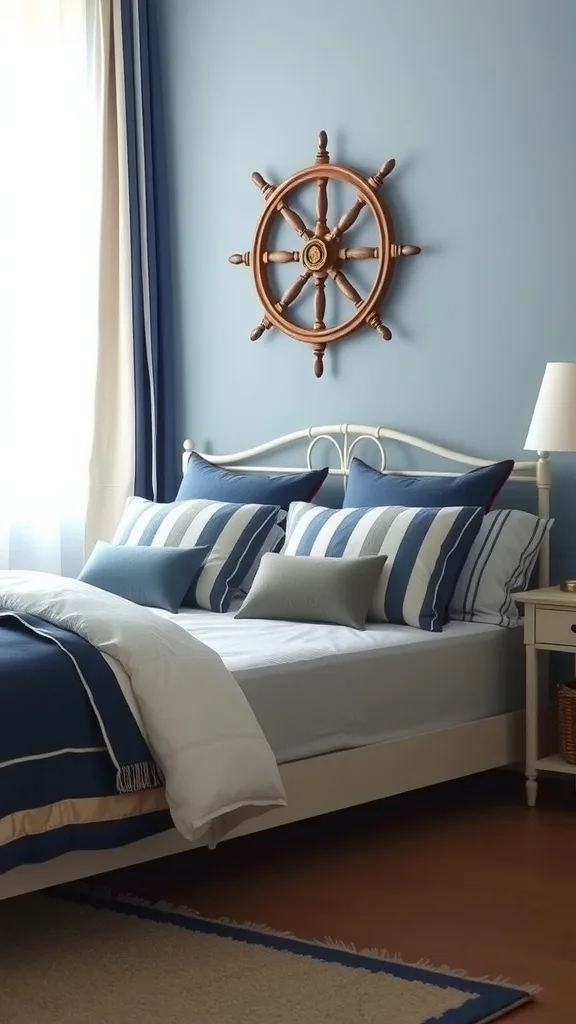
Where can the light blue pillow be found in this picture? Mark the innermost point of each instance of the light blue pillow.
(156, 577)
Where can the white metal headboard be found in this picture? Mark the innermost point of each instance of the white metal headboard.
(346, 436)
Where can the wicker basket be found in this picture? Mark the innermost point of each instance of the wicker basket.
(567, 721)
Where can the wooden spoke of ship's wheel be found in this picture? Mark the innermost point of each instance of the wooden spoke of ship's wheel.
(278, 256)
(359, 252)
(281, 256)
(293, 291)
(349, 218)
(319, 325)
(289, 296)
(346, 287)
(350, 292)
(290, 216)
(319, 303)
(321, 208)
(294, 220)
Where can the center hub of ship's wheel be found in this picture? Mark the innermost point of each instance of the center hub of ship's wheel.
(315, 255)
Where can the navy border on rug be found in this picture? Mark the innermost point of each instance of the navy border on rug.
(493, 999)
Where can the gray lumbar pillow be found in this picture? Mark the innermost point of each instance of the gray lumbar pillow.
(302, 588)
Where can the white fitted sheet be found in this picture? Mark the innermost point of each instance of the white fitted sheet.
(317, 688)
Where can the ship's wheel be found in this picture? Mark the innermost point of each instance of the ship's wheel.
(323, 254)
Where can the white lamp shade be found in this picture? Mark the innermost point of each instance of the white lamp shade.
(553, 426)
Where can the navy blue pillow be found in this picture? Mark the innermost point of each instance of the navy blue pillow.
(157, 577)
(213, 483)
(368, 488)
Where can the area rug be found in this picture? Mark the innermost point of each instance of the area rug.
(79, 956)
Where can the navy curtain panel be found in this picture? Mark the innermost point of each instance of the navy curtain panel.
(156, 453)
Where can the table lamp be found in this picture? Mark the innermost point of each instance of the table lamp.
(553, 426)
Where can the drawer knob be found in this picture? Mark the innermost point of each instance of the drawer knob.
(573, 628)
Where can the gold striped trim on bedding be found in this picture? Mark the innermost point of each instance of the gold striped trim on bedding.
(80, 811)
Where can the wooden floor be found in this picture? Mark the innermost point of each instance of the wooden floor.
(462, 874)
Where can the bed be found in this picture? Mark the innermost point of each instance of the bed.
(340, 737)
(318, 688)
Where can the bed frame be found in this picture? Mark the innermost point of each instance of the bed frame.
(331, 782)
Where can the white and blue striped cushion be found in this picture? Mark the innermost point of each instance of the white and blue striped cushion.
(500, 563)
(425, 548)
(237, 536)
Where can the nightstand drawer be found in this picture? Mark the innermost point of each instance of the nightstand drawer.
(556, 626)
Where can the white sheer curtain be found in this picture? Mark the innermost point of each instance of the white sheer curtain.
(50, 211)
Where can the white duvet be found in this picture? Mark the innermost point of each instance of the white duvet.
(219, 768)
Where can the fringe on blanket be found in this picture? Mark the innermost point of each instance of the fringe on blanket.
(133, 778)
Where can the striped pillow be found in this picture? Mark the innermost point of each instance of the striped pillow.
(237, 536)
(425, 548)
(500, 562)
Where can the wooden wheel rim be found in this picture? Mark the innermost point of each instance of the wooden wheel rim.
(385, 229)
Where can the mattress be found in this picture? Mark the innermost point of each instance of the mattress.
(317, 688)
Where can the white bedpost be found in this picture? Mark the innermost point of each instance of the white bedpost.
(188, 449)
(543, 482)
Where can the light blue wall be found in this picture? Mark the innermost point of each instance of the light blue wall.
(476, 100)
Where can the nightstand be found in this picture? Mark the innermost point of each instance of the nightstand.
(549, 625)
